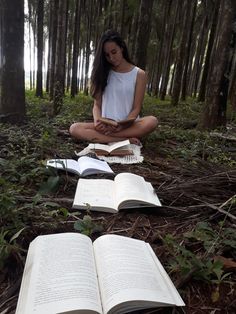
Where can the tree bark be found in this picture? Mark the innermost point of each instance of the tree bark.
(12, 83)
(143, 32)
(214, 114)
(188, 48)
(52, 48)
(202, 88)
(180, 57)
(59, 82)
(74, 87)
(166, 71)
(39, 82)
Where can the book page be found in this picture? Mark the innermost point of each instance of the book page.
(61, 276)
(90, 165)
(127, 272)
(64, 164)
(110, 147)
(129, 186)
(97, 193)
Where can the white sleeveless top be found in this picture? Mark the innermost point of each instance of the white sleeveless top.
(118, 96)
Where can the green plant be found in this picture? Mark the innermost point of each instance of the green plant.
(8, 247)
(87, 226)
(201, 265)
(213, 241)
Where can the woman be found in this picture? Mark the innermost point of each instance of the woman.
(118, 89)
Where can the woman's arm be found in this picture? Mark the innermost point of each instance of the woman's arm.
(97, 110)
(139, 93)
(97, 114)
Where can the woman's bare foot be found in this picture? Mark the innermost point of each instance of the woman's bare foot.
(135, 140)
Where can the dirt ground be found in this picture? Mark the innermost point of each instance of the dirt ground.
(188, 195)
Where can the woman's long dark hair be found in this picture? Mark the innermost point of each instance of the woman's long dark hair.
(101, 66)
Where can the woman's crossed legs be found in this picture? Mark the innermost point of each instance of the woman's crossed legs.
(141, 127)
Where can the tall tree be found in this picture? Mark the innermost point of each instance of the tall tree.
(89, 12)
(170, 38)
(202, 89)
(12, 83)
(232, 87)
(52, 45)
(75, 48)
(161, 53)
(39, 82)
(214, 114)
(143, 32)
(181, 55)
(188, 48)
(59, 80)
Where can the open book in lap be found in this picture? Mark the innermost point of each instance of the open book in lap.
(67, 273)
(121, 148)
(128, 190)
(84, 166)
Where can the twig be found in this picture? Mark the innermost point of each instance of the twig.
(45, 199)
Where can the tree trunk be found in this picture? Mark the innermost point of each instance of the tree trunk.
(202, 89)
(12, 83)
(166, 71)
(180, 56)
(200, 56)
(143, 32)
(87, 50)
(30, 51)
(232, 87)
(123, 6)
(60, 57)
(214, 114)
(74, 88)
(69, 49)
(50, 30)
(52, 48)
(39, 82)
(162, 46)
(188, 48)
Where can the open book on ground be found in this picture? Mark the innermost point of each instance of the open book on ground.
(67, 273)
(84, 166)
(126, 122)
(121, 148)
(128, 190)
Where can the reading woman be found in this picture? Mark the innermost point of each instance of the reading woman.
(118, 88)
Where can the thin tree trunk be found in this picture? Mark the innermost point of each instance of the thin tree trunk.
(60, 57)
(87, 50)
(69, 50)
(39, 82)
(217, 88)
(53, 49)
(74, 88)
(166, 71)
(202, 89)
(12, 82)
(50, 31)
(143, 32)
(30, 51)
(188, 48)
(180, 57)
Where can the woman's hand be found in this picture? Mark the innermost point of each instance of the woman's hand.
(103, 128)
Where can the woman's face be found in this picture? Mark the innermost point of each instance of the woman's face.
(113, 53)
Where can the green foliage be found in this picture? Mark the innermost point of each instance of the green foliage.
(178, 136)
(201, 265)
(8, 247)
(226, 237)
(87, 226)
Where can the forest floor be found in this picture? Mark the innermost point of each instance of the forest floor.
(193, 233)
